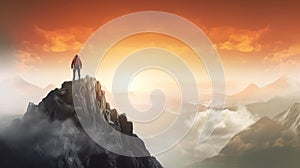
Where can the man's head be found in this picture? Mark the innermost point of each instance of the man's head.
(76, 56)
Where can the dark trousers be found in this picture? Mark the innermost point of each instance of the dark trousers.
(74, 71)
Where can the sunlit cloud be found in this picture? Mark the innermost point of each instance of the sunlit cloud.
(190, 150)
(285, 62)
(27, 60)
(284, 55)
(233, 39)
(61, 40)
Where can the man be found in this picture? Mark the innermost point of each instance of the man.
(76, 66)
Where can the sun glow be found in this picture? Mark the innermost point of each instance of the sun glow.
(137, 42)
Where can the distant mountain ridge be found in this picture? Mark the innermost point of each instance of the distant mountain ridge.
(281, 87)
(18, 91)
(272, 107)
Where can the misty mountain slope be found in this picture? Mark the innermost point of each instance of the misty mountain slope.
(272, 107)
(50, 136)
(17, 91)
(267, 143)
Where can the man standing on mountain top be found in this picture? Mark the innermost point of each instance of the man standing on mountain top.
(76, 65)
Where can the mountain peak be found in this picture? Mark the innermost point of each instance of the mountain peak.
(283, 78)
(282, 87)
(284, 82)
(18, 82)
(59, 105)
(296, 106)
(264, 122)
(290, 118)
(252, 86)
(248, 90)
(60, 139)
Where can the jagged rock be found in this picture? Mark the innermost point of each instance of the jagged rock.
(107, 106)
(290, 118)
(51, 136)
(113, 115)
(126, 126)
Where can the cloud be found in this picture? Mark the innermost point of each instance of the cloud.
(61, 40)
(52, 140)
(190, 150)
(284, 55)
(285, 61)
(231, 122)
(27, 60)
(233, 39)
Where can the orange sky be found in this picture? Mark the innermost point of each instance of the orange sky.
(257, 41)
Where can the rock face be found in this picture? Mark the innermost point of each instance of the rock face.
(50, 135)
(267, 143)
(290, 118)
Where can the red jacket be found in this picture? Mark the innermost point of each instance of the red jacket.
(76, 62)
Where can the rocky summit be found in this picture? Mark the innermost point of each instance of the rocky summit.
(50, 134)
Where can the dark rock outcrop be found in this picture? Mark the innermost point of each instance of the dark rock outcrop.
(50, 135)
